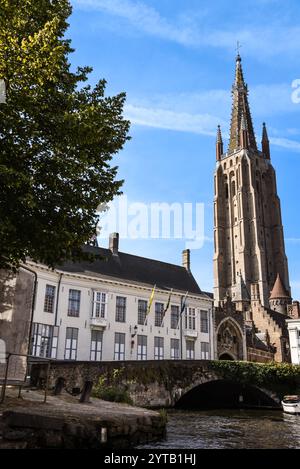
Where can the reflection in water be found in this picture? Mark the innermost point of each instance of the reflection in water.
(230, 429)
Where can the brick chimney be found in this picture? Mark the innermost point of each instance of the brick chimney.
(294, 310)
(114, 243)
(186, 259)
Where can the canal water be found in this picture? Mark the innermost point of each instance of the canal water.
(235, 429)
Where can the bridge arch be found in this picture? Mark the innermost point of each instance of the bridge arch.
(222, 393)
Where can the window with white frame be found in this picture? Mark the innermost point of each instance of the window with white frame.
(44, 340)
(96, 345)
(190, 349)
(174, 317)
(74, 303)
(49, 299)
(190, 319)
(120, 309)
(119, 346)
(71, 343)
(204, 321)
(99, 304)
(142, 347)
(175, 349)
(142, 311)
(158, 348)
(159, 314)
(204, 350)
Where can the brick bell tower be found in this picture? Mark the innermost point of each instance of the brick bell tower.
(249, 246)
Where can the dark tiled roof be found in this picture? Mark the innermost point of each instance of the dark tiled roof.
(279, 318)
(209, 294)
(134, 269)
(254, 341)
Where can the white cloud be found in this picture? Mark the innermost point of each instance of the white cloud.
(285, 143)
(204, 124)
(268, 39)
(292, 240)
(142, 17)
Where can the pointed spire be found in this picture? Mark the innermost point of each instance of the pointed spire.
(278, 290)
(265, 144)
(240, 106)
(219, 144)
(244, 137)
(243, 122)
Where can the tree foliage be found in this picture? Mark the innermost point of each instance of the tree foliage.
(283, 377)
(57, 138)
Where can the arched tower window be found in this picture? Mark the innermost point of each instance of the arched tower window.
(233, 188)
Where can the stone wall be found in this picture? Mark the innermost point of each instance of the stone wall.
(157, 383)
(264, 322)
(16, 295)
(260, 356)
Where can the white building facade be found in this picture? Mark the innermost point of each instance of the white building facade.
(100, 311)
(294, 336)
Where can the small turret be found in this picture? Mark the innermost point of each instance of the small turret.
(219, 144)
(265, 144)
(279, 298)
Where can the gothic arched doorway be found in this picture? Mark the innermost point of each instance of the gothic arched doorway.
(226, 356)
(229, 340)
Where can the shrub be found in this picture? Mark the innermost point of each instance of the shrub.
(112, 393)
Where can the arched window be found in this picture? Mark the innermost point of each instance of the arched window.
(233, 188)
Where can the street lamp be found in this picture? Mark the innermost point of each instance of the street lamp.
(135, 329)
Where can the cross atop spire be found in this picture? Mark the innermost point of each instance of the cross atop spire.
(238, 48)
(240, 108)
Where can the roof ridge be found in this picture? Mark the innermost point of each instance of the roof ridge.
(141, 257)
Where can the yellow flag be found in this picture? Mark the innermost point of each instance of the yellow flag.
(150, 300)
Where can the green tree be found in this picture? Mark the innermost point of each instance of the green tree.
(57, 138)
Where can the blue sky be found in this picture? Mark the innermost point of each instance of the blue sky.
(175, 60)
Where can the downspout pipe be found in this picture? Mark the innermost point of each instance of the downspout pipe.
(57, 299)
(24, 267)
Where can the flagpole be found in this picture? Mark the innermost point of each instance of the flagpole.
(182, 308)
(180, 326)
(149, 305)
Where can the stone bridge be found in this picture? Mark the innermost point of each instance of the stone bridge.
(187, 384)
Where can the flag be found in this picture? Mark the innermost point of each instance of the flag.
(167, 307)
(168, 303)
(183, 303)
(182, 307)
(150, 303)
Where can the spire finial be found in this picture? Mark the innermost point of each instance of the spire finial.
(219, 144)
(238, 48)
(219, 135)
(265, 142)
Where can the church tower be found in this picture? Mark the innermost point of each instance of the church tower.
(249, 246)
